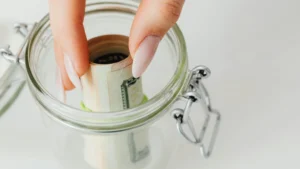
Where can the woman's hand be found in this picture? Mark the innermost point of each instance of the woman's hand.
(153, 19)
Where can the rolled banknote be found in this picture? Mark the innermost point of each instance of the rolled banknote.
(109, 86)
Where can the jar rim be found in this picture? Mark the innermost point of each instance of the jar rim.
(105, 122)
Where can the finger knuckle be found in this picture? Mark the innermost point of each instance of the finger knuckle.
(172, 10)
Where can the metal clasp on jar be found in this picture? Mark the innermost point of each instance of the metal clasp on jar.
(25, 30)
(197, 93)
(13, 78)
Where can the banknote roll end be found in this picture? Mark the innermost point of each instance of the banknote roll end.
(108, 49)
(111, 85)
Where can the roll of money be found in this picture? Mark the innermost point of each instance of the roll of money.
(109, 86)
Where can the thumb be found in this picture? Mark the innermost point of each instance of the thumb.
(153, 20)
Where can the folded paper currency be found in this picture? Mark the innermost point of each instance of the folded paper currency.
(109, 86)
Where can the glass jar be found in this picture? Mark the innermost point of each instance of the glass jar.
(145, 136)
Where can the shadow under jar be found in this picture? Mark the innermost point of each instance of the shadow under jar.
(143, 136)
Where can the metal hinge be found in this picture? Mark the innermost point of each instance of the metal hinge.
(13, 78)
(25, 30)
(197, 93)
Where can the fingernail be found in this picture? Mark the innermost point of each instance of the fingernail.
(72, 73)
(144, 55)
(61, 94)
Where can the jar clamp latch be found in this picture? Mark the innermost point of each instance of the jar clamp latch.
(13, 79)
(197, 93)
(25, 30)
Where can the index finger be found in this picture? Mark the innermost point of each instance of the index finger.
(66, 18)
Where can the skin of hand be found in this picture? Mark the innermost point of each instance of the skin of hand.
(152, 21)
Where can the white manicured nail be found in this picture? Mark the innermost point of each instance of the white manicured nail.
(72, 73)
(144, 55)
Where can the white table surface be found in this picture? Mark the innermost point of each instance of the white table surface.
(252, 48)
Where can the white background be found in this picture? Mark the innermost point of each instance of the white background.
(252, 48)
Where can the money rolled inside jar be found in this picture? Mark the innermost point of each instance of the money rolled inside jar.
(109, 86)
